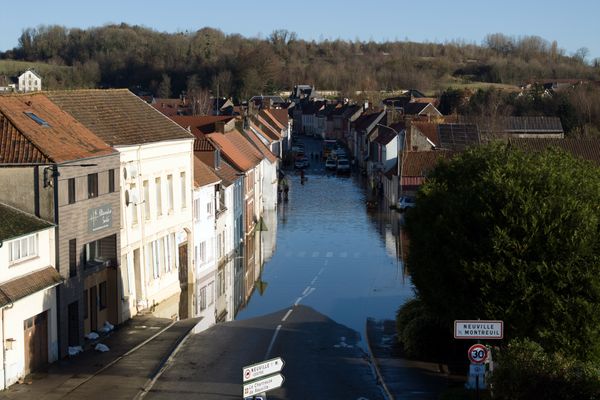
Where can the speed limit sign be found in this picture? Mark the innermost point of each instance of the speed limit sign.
(478, 353)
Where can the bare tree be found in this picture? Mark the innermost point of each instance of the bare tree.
(201, 101)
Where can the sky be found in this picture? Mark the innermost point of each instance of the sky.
(573, 24)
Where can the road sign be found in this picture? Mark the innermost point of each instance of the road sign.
(262, 369)
(478, 329)
(478, 353)
(262, 385)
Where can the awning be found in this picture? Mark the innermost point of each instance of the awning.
(23, 286)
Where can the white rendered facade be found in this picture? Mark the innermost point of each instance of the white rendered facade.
(157, 227)
(17, 315)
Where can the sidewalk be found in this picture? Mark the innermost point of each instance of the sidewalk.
(402, 378)
(144, 342)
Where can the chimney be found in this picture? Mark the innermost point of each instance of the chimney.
(220, 126)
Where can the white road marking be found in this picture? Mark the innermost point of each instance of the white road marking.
(287, 314)
(321, 271)
(298, 301)
(313, 281)
(315, 254)
(329, 254)
(272, 341)
(306, 291)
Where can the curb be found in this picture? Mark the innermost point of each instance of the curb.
(376, 364)
(162, 366)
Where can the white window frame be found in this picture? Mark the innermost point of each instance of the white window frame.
(23, 248)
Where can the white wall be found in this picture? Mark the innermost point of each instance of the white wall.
(29, 82)
(151, 161)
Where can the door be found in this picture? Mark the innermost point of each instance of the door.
(183, 264)
(36, 342)
(93, 308)
(73, 312)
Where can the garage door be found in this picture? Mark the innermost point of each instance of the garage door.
(36, 342)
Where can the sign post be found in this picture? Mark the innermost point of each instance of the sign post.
(262, 377)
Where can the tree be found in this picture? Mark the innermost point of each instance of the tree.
(500, 234)
(164, 88)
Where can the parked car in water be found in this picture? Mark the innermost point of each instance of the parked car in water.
(405, 203)
(330, 164)
(343, 166)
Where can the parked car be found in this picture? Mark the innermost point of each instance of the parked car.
(330, 163)
(406, 202)
(343, 166)
(301, 162)
(298, 148)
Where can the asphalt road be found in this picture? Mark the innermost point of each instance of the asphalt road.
(322, 360)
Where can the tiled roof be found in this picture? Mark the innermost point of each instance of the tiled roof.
(281, 115)
(260, 146)
(227, 173)
(365, 120)
(200, 124)
(550, 125)
(231, 152)
(420, 163)
(118, 116)
(458, 136)
(414, 108)
(384, 136)
(265, 133)
(587, 149)
(270, 117)
(246, 148)
(203, 144)
(26, 285)
(15, 223)
(429, 129)
(203, 174)
(34, 129)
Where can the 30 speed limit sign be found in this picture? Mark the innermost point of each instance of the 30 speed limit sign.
(478, 353)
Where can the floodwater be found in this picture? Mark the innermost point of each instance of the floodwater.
(325, 250)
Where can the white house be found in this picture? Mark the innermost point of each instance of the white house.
(27, 294)
(156, 193)
(29, 81)
(206, 198)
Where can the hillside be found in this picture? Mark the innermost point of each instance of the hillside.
(133, 56)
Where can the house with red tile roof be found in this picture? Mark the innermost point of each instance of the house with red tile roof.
(54, 167)
(156, 180)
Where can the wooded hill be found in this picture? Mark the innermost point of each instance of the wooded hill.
(134, 56)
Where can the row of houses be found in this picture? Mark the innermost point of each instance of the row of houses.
(109, 208)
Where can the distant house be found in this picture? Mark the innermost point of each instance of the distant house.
(586, 149)
(29, 81)
(416, 165)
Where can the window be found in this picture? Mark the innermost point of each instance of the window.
(134, 207)
(183, 190)
(111, 180)
(23, 248)
(202, 252)
(92, 185)
(37, 119)
(101, 252)
(196, 209)
(146, 200)
(170, 193)
(203, 298)
(71, 185)
(72, 258)
(102, 295)
(158, 196)
(210, 293)
(209, 208)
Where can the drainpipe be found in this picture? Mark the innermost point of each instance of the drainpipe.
(4, 339)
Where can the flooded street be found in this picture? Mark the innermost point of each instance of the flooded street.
(323, 249)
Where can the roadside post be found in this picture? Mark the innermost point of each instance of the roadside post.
(478, 353)
(262, 377)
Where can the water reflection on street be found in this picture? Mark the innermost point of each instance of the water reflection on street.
(322, 248)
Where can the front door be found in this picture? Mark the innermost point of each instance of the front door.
(93, 308)
(183, 264)
(36, 342)
(73, 312)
